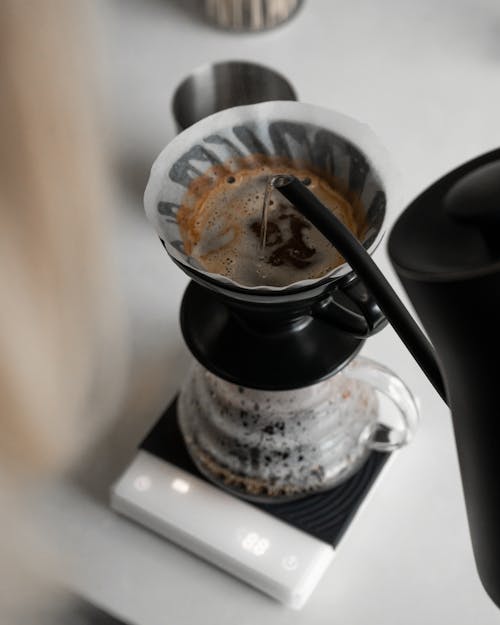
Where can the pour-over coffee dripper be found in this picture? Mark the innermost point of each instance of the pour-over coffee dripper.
(321, 322)
(268, 341)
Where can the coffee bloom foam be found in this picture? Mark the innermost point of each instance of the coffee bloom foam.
(220, 223)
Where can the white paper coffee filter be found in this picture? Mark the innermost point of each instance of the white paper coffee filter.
(330, 142)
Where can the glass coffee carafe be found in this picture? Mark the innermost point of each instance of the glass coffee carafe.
(278, 445)
(278, 403)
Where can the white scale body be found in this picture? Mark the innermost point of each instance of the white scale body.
(254, 546)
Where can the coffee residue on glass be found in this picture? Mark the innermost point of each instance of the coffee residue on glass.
(233, 224)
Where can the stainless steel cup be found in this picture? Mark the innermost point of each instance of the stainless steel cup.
(250, 15)
(213, 88)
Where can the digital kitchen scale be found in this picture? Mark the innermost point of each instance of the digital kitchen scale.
(281, 549)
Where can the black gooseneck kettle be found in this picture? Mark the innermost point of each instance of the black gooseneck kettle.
(445, 248)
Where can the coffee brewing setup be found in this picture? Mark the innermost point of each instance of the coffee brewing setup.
(277, 436)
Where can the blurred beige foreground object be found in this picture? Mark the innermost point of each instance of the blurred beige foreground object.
(250, 15)
(61, 359)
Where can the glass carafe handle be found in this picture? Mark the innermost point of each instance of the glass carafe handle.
(379, 436)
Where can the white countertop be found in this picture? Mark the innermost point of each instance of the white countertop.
(426, 77)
